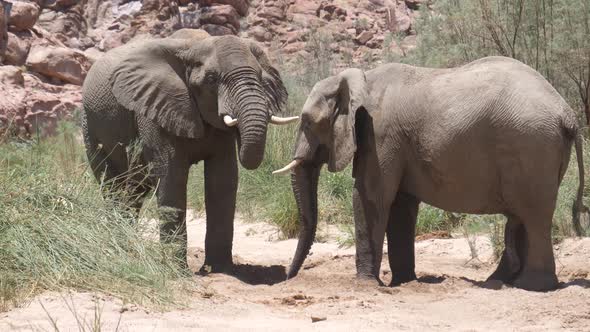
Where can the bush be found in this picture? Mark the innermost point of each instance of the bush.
(57, 232)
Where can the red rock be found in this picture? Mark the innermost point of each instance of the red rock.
(240, 5)
(11, 75)
(220, 15)
(364, 37)
(3, 28)
(58, 62)
(218, 30)
(23, 15)
(71, 23)
(58, 4)
(305, 7)
(260, 34)
(273, 13)
(17, 50)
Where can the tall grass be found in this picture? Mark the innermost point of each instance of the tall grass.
(56, 230)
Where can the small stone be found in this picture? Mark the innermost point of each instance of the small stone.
(315, 319)
(364, 37)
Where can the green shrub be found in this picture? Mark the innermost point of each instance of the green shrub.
(57, 232)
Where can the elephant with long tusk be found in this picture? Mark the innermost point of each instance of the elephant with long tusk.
(181, 100)
(490, 137)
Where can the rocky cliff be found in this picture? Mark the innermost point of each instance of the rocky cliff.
(48, 46)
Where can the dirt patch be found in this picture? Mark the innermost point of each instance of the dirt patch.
(450, 292)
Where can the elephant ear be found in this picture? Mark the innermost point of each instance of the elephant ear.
(150, 81)
(271, 80)
(351, 95)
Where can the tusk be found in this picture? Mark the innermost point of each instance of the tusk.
(229, 121)
(281, 121)
(289, 167)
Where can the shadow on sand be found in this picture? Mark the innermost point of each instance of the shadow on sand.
(497, 284)
(259, 275)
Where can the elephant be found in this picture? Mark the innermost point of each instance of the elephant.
(154, 107)
(489, 137)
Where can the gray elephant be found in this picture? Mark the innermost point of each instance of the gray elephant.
(492, 136)
(171, 103)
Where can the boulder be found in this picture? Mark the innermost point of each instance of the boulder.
(154, 5)
(46, 104)
(260, 33)
(23, 15)
(218, 30)
(304, 7)
(59, 4)
(220, 15)
(241, 6)
(17, 50)
(12, 103)
(276, 11)
(375, 42)
(70, 23)
(4, 16)
(11, 75)
(364, 37)
(62, 63)
(398, 18)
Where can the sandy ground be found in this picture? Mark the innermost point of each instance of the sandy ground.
(449, 294)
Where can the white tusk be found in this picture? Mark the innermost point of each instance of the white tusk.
(281, 121)
(229, 121)
(289, 167)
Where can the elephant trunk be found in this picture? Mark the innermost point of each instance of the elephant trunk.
(304, 181)
(247, 101)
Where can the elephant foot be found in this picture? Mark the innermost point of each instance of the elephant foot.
(224, 266)
(402, 277)
(502, 274)
(367, 280)
(536, 281)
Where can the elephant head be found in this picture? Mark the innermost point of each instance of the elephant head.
(326, 135)
(185, 83)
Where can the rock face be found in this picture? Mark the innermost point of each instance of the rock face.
(61, 63)
(23, 15)
(58, 40)
(4, 15)
(16, 50)
(350, 29)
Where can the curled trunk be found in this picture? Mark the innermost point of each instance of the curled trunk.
(304, 181)
(243, 96)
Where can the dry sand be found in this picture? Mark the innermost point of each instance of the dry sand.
(449, 294)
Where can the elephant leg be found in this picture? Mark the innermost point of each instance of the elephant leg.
(369, 236)
(124, 181)
(171, 193)
(400, 238)
(221, 183)
(536, 254)
(514, 250)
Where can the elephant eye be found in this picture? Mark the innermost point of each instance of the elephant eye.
(211, 77)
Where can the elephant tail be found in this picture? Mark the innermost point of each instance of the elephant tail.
(578, 208)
